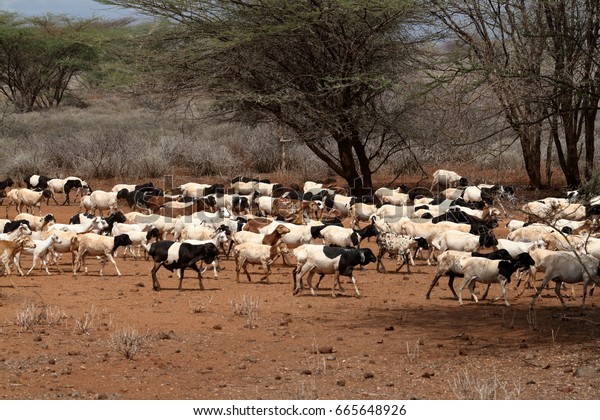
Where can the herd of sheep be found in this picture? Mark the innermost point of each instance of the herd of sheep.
(315, 229)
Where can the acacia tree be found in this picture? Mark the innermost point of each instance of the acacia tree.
(35, 66)
(541, 60)
(326, 69)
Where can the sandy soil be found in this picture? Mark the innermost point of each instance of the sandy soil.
(389, 344)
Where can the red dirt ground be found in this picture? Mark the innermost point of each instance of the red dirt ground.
(389, 344)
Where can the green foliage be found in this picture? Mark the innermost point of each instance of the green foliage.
(37, 65)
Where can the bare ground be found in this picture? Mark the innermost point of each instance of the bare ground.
(192, 344)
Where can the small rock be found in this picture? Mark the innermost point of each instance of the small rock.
(51, 361)
(325, 350)
(390, 384)
(531, 383)
(341, 382)
(178, 351)
(331, 358)
(585, 372)
(102, 396)
(389, 328)
(217, 327)
(369, 375)
(565, 389)
(278, 377)
(37, 338)
(140, 284)
(306, 372)
(523, 346)
(164, 336)
(568, 370)
(428, 375)
(462, 352)
(73, 353)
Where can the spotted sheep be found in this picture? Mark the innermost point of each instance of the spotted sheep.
(401, 245)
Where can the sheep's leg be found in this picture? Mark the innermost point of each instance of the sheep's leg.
(465, 282)
(245, 267)
(472, 288)
(309, 281)
(155, 283)
(336, 282)
(557, 291)
(503, 287)
(112, 260)
(539, 290)
(321, 276)
(238, 268)
(380, 261)
(355, 286)
(399, 265)
(267, 267)
(585, 286)
(180, 273)
(487, 289)
(197, 270)
(433, 283)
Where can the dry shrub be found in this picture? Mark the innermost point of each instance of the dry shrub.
(467, 386)
(127, 341)
(84, 325)
(33, 314)
(248, 308)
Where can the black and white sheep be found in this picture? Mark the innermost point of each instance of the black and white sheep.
(322, 259)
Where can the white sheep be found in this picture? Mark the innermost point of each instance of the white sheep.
(427, 230)
(102, 200)
(98, 245)
(361, 212)
(447, 179)
(565, 268)
(94, 225)
(392, 196)
(463, 241)
(40, 251)
(26, 197)
(251, 253)
(37, 223)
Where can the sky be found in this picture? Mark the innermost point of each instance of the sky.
(73, 8)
